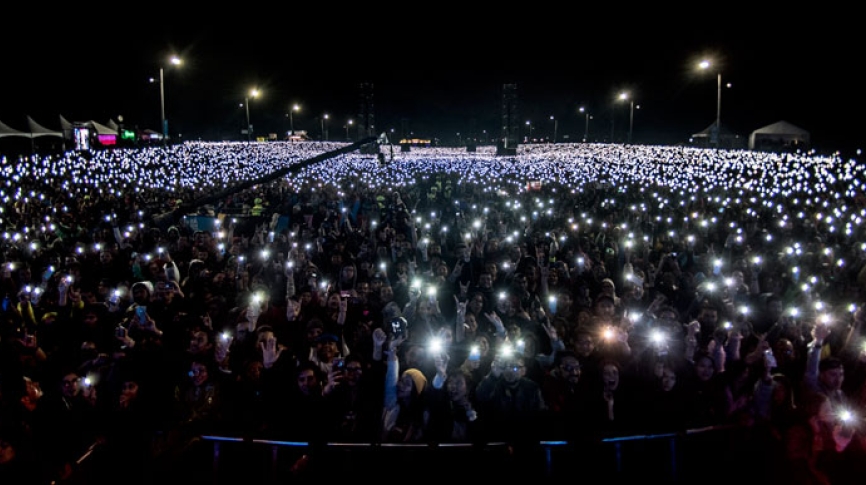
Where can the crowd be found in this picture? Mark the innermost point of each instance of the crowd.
(574, 292)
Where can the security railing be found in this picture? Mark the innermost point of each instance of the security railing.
(681, 457)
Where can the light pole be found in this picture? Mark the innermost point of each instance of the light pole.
(717, 131)
(586, 127)
(255, 94)
(348, 124)
(294, 108)
(529, 130)
(175, 61)
(555, 126)
(624, 96)
(324, 131)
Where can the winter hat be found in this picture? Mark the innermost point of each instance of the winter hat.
(146, 284)
(418, 378)
(391, 310)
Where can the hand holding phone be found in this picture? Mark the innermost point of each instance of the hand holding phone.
(141, 313)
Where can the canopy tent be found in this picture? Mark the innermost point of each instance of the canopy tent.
(726, 137)
(37, 130)
(101, 129)
(6, 130)
(779, 136)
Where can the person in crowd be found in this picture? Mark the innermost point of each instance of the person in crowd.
(65, 423)
(127, 430)
(200, 407)
(704, 393)
(823, 444)
(18, 462)
(565, 399)
(354, 396)
(512, 407)
(405, 412)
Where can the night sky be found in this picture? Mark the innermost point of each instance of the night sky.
(437, 74)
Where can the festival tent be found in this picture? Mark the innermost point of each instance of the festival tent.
(37, 130)
(779, 136)
(48, 139)
(14, 142)
(727, 138)
(107, 135)
(6, 130)
(101, 129)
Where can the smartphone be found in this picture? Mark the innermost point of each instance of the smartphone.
(398, 327)
(770, 359)
(474, 353)
(338, 364)
(141, 313)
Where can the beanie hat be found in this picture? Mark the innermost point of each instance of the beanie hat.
(418, 378)
(146, 284)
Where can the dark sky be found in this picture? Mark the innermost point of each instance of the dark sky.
(436, 74)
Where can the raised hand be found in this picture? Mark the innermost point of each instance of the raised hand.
(464, 289)
(820, 332)
(270, 352)
(550, 330)
(460, 305)
(379, 337)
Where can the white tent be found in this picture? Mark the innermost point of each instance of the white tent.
(102, 129)
(779, 136)
(37, 130)
(6, 130)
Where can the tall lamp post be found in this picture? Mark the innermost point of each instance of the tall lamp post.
(324, 131)
(555, 126)
(586, 126)
(348, 124)
(255, 94)
(293, 108)
(529, 130)
(175, 61)
(717, 131)
(624, 96)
